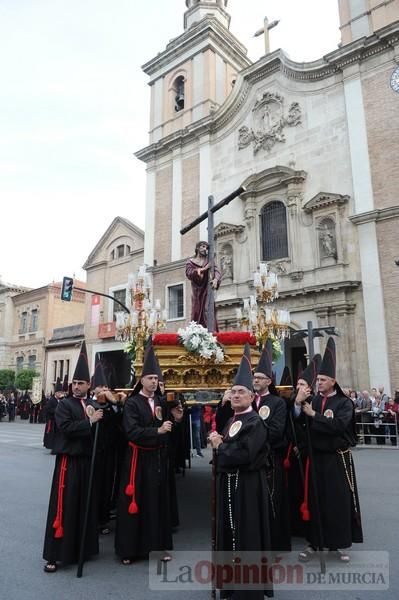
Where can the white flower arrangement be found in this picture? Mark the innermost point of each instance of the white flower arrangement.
(198, 340)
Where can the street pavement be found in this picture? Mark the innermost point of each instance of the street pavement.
(25, 478)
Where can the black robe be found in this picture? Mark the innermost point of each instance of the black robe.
(224, 413)
(50, 428)
(73, 447)
(173, 445)
(332, 435)
(296, 462)
(242, 459)
(149, 529)
(106, 458)
(275, 419)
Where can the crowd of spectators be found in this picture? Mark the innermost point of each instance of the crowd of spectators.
(376, 415)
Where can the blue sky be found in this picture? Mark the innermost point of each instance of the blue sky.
(74, 107)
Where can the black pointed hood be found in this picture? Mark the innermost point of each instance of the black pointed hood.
(150, 365)
(65, 383)
(99, 378)
(82, 372)
(58, 386)
(286, 379)
(265, 364)
(311, 372)
(328, 365)
(149, 345)
(244, 373)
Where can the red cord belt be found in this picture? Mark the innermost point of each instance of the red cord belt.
(130, 489)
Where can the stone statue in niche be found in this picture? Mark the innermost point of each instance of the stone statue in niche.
(226, 262)
(327, 239)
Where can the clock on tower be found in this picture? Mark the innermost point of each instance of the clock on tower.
(395, 80)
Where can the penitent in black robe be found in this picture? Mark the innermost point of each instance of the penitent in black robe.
(73, 447)
(106, 458)
(296, 464)
(143, 511)
(273, 411)
(332, 435)
(241, 466)
(50, 428)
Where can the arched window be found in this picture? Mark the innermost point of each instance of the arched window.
(273, 219)
(178, 87)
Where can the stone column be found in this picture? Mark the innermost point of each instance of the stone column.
(253, 237)
(294, 200)
(344, 357)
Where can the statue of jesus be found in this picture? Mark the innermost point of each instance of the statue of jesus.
(197, 271)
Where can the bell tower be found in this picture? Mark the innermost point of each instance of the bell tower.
(189, 80)
(360, 18)
(197, 70)
(198, 9)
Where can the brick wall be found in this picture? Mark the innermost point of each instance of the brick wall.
(163, 216)
(382, 120)
(191, 208)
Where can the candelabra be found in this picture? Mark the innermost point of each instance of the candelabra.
(144, 318)
(258, 316)
(266, 284)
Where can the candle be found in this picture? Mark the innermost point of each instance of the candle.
(119, 322)
(131, 281)
(257, 280)
(252, 301)
(152, 319)
(157, 304)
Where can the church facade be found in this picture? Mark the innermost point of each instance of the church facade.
(314, 145)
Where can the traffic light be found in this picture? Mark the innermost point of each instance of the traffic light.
(67, 286)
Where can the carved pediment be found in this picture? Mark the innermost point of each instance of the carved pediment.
(323, 199)
(269, 119)
(224, 229)
(275, 178)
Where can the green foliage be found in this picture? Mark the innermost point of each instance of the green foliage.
(7, 378)
(23, 379)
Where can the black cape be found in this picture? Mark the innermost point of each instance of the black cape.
(106, 458)
(273, 410)
(295, 468)
(150, 528)
(73, 446)
(332, 435)
(242, 459)
(50, 428)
